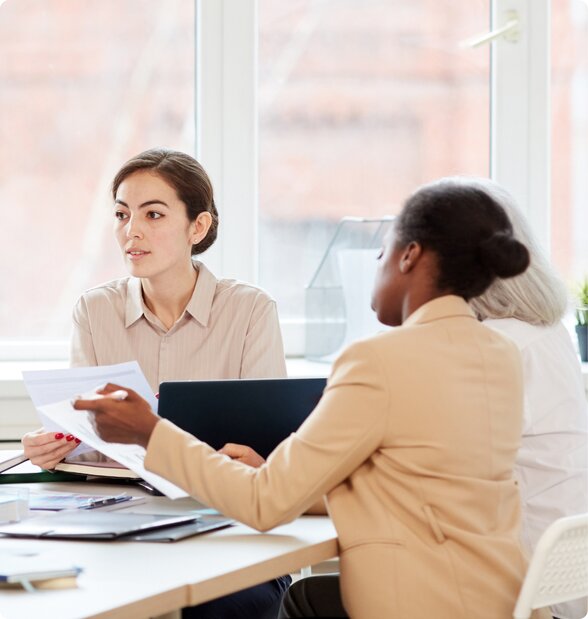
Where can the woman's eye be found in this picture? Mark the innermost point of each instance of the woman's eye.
(120, 215)
(380, 254)
(154, 215)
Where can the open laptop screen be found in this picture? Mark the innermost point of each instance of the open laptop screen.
(259, 413)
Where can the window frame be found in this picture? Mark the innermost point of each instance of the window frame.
(227, 135)
(226, 128)
(520, 126)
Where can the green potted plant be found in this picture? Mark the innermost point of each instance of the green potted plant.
(582, 318)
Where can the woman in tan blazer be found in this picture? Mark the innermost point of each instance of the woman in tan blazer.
(414, 440)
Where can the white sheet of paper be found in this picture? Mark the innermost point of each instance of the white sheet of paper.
(50, 386)
(132, 456)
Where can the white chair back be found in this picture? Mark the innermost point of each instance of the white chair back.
(558, 571)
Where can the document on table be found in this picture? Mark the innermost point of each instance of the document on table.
(132, 456)
(50, 386)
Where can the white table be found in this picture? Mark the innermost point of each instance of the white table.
(140, 579)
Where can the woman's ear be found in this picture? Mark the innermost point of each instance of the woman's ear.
(410, 257)
(200, 226)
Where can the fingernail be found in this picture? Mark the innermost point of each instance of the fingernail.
(69, 437)
(58, 436)
(157, 395)
(77, 440)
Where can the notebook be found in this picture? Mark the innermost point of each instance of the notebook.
(33, 569)
(10, 459)
(96, 469)
(83, 524)
(259, 413)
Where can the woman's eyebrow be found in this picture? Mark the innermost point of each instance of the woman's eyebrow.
(148, 203)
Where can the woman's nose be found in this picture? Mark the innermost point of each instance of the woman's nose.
(134, 229)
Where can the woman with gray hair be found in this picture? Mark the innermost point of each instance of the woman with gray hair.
(552, 463)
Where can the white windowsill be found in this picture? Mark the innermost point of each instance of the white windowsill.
(11, 371)
(11, 384)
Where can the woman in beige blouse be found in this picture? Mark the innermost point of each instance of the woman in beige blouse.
(413, 442)
(172, 315)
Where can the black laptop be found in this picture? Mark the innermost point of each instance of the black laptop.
(259, 413)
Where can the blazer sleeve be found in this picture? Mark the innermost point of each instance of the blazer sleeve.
(82, 353)
(263, 350)
(344, 430)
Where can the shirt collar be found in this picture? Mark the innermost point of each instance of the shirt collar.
(134, 308)
(199, 306)
(443, 307)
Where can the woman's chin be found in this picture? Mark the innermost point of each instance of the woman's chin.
(139, 270)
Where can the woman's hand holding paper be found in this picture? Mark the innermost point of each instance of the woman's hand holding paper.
(46, 449)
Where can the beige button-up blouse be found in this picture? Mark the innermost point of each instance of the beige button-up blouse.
(229, 330)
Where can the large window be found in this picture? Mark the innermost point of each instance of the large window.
(84, 84)
(356, 103)
(360, 102)
(569, 80)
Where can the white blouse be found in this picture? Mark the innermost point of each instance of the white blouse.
(552, 463)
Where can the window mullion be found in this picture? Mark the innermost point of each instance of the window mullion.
(520, 142)
(226, 124)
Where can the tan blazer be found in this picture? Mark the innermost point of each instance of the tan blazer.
(413, 443)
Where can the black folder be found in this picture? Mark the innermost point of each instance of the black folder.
(173, 534)
(84, 525)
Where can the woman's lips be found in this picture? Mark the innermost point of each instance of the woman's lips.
(136, 254)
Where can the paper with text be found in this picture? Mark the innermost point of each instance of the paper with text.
(132, 456)
(50, 386)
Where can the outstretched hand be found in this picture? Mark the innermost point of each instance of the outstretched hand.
(120, 415)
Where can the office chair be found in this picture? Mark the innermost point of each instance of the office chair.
(558, 571)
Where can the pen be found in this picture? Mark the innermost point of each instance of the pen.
(119, 394)
(109, 500)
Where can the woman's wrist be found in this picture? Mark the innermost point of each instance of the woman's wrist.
(147, 430)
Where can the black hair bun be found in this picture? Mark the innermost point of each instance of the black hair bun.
(503, 255)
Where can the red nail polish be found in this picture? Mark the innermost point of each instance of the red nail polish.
(58, 436)
(77, 440)
(157, 395)
(69, 437)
